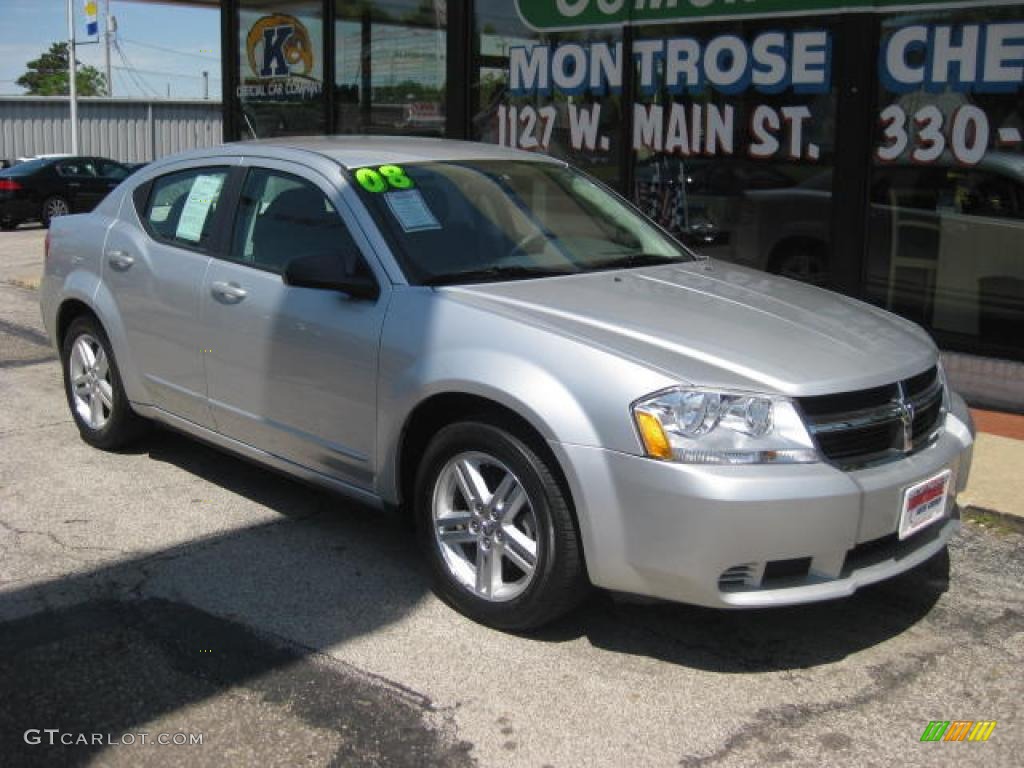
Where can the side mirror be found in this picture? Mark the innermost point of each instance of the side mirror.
(325, 271)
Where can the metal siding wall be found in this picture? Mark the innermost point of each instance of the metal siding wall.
(115, 128)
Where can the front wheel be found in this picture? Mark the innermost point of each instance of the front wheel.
(497, 528)
(93, 386)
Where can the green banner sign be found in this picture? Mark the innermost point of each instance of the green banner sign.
(552, 15)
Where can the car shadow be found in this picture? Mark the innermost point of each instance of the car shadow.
(758, 640)
(708, 639)
(155, 640)
(131, 642)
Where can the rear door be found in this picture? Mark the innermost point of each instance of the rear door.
(82, 184)
(293, 371)
(154, 262)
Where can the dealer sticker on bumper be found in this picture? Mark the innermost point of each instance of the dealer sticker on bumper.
(924, 503)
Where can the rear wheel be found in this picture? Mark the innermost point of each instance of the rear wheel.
(93, 386)
(497, 528)
(52, 208)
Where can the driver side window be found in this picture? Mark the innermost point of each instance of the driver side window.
(281, 217)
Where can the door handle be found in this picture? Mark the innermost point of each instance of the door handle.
(229, 291)
(74, 184)
(120, 260)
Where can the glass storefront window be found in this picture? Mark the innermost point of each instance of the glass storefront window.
(734, 140)
(946, 222)
(280, 58)
(553, 93)
(390, 63)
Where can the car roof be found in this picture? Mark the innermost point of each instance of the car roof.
(359, 151)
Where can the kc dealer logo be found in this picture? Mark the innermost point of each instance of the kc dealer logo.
(281, 58)
(279, 46)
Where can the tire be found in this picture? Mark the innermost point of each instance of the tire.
(514, 598)
(53, 206)
(110, 423)
(8, 225)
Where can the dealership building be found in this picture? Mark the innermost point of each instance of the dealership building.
(872, 146)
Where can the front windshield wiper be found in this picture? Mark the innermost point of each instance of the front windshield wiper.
(635, 260)
(486, 274)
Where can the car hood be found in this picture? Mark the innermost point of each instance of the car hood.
(716, 324)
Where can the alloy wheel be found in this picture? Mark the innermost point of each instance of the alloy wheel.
(485, 526)
(91, 387)
(55, 207)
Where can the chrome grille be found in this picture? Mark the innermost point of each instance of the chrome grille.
(854, 429)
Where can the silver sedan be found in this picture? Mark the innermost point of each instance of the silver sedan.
(561, 394)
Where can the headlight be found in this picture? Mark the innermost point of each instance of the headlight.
(698, 426)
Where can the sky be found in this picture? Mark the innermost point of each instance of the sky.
(164, 45)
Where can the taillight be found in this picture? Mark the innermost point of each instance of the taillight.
(9, 185)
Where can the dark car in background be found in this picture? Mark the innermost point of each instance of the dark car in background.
(697, 199)
(43, 188)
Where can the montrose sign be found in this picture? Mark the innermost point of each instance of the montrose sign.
(554, 15)
(784, 66)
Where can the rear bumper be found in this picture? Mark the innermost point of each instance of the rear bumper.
(756, 536)
(18, 209)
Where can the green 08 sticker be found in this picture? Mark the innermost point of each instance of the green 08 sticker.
(383, 178)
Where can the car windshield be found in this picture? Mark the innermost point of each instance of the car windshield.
(488, 220)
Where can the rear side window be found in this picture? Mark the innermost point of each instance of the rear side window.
(77, 167)
(111, 170)
(182, 206)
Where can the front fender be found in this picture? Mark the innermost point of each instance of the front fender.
(512, 382)
(569, 391)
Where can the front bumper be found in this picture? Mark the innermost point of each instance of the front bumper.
(756, 536)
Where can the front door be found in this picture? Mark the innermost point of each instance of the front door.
(292, 371)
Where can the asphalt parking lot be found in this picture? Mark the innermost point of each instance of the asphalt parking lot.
(172, 589)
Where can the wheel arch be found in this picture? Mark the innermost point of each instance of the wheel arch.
(449, 407)
(443, 408)
(75, 305)
(69, 310)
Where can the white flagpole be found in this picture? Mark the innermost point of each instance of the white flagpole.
(71, 77)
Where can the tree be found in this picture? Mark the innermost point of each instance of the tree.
(48, 75)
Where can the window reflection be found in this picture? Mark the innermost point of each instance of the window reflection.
(280, 60)
(946, 224)
(763, 196)
(390, 59)
(539, 120)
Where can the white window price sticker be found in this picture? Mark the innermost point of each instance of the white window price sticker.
(205, 190)
(411, 210)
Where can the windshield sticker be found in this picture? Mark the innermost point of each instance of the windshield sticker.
(411, 210)
(205, 190)
(385, 177)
